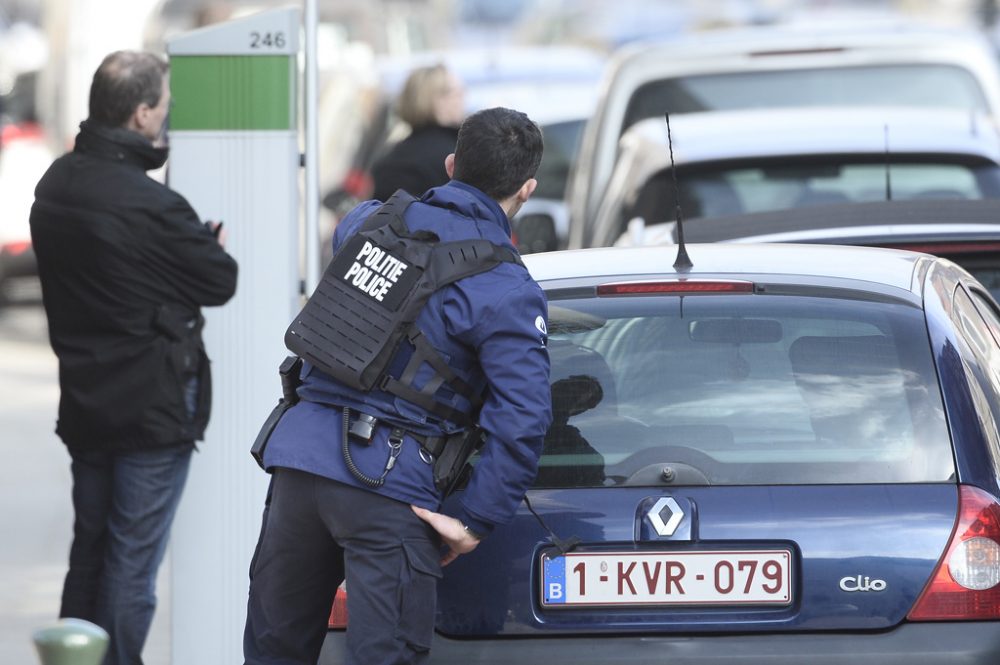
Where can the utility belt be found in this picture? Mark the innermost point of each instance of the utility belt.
(449, 454)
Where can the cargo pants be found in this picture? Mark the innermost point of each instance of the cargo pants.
(315, 533)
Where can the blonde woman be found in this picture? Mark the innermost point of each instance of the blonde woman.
(432, 103)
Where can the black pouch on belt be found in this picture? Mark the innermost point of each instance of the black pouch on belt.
(290, 381)
(453, 460)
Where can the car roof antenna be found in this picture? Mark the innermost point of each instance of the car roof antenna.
(888, 179)
(682, 262)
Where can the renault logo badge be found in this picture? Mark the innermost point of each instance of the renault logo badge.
(665, 516)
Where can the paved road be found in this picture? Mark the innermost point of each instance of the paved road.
(36, 519)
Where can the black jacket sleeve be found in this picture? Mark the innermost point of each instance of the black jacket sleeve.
(184, 249)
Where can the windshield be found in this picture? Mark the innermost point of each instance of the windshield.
(925, 85)
(562, 143)
(750, 389)
(731, 188)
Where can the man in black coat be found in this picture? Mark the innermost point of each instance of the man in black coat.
(125, 266)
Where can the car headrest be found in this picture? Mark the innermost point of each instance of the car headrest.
(844, 356)
(572, 360)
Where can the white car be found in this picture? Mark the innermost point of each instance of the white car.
(746, 162)
(774, 67)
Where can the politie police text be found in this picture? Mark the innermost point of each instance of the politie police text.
(375, 271)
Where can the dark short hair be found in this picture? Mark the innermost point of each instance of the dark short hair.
(498, 149)
(125, 80)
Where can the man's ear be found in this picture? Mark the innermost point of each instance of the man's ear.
(527, 189)
(449, 165)
(137, 121)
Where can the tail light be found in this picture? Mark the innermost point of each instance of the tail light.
(16, 248)
(966, 583)
(338, 613)
(19, 131)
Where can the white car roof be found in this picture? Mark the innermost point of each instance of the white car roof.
(810, 263)
(815, 131)
(808, 44)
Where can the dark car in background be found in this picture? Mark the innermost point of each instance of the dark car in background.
(785, 453)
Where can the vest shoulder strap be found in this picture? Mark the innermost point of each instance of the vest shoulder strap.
(390, 212)
(452, 261)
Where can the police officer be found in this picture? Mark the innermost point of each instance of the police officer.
(325, 519)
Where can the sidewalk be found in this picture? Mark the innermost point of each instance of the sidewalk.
(35, 484)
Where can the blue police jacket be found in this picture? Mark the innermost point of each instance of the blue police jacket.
(491, 330)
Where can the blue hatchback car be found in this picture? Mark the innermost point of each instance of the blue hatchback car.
(785, 453)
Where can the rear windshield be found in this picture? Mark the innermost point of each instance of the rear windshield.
(737, 390)
(887, 85)
(733, 188)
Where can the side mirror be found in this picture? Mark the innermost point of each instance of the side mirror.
(536, 232)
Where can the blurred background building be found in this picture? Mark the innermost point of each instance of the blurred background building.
(50, 48)
(60, 42)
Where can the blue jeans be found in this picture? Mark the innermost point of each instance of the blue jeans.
(124, 503)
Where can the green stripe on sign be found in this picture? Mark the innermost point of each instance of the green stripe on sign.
(232, 92)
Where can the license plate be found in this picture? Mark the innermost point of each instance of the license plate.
(716, 577)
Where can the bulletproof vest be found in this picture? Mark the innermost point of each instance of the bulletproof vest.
(369, 297)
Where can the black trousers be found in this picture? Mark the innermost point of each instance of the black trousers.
(315, 532)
